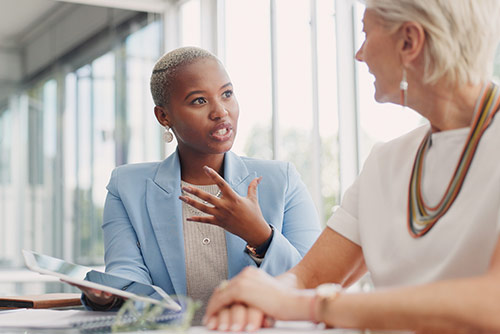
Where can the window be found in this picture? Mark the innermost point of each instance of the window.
(109, 121)
(60, 140)
(496, 66)
(142, 141)
(40, 200)
(286, 64)
(190, 23)
(251, 74)
(6, 197)
(327, 107)
(5, 147)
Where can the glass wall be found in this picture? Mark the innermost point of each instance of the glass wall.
(251, 74)
(190, 23)
(61, 138)
(285, 82)
(496, 66)
(6, 199)
(141, 49)
(110, 121)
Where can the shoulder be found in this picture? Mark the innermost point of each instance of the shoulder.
(130, 177)
(264, 164)
(400, 146)
(136, 170)
(274, 168)
(277, 176)
(392, 162)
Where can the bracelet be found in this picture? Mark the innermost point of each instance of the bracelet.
(325, 295)
(312, 309)
(260, 251)
(115, 303)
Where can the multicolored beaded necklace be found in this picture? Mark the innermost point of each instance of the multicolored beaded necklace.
(421, 217)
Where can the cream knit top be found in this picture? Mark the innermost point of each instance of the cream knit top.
(205, 253)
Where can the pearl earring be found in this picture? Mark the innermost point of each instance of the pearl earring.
(167, 135)
(403, 86)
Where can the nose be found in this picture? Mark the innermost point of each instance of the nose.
(218, 112)
(359, 54)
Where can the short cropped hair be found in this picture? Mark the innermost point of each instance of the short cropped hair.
(461, 35)
(166, 68)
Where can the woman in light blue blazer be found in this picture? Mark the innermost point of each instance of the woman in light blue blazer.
(203, 214)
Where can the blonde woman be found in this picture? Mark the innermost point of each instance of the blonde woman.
(423, 217)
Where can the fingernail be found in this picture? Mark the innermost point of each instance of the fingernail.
(223, 327)
(235, 328)
(207, 169)
(186, 188)
(182, 198)
(250, 328)
(211, 324)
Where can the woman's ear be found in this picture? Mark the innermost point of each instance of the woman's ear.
(412, 42)
(161, 116)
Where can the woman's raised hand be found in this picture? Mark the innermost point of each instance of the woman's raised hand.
(239, 215)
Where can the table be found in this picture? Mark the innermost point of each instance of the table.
(42, 321)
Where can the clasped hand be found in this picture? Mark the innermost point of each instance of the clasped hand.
(236, 214)
(253, 299)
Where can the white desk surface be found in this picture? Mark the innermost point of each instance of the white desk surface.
(281, 327)
(29, 321)
(288, 327)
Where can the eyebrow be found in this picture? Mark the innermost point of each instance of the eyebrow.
(202, 91)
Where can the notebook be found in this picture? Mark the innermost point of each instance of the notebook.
(48, 300)
(87, 277)
(85, 321)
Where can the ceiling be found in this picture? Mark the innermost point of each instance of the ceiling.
(18, 18)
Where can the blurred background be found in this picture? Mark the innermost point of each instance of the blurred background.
(75, 103)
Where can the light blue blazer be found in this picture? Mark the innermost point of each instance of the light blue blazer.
(143, 230)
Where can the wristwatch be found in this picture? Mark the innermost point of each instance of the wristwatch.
(325, 294)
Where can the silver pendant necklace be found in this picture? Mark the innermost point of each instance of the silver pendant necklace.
(204, 229)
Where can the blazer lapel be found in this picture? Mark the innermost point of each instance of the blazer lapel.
(165, 212)
(237, 176)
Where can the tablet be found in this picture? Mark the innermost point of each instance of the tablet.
(85, 276)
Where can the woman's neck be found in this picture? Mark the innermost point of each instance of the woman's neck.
(446, 108)
(192, 167)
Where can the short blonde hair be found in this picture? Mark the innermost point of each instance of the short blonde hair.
(165, 70)
(461, 35)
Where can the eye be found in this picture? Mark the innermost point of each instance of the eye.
(227, 94)
(199, 100)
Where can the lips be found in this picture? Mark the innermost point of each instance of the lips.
(222, 132)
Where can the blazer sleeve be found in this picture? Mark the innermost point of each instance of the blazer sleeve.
(300, 227)
(122, 253)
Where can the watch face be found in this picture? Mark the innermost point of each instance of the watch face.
(328, 289)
